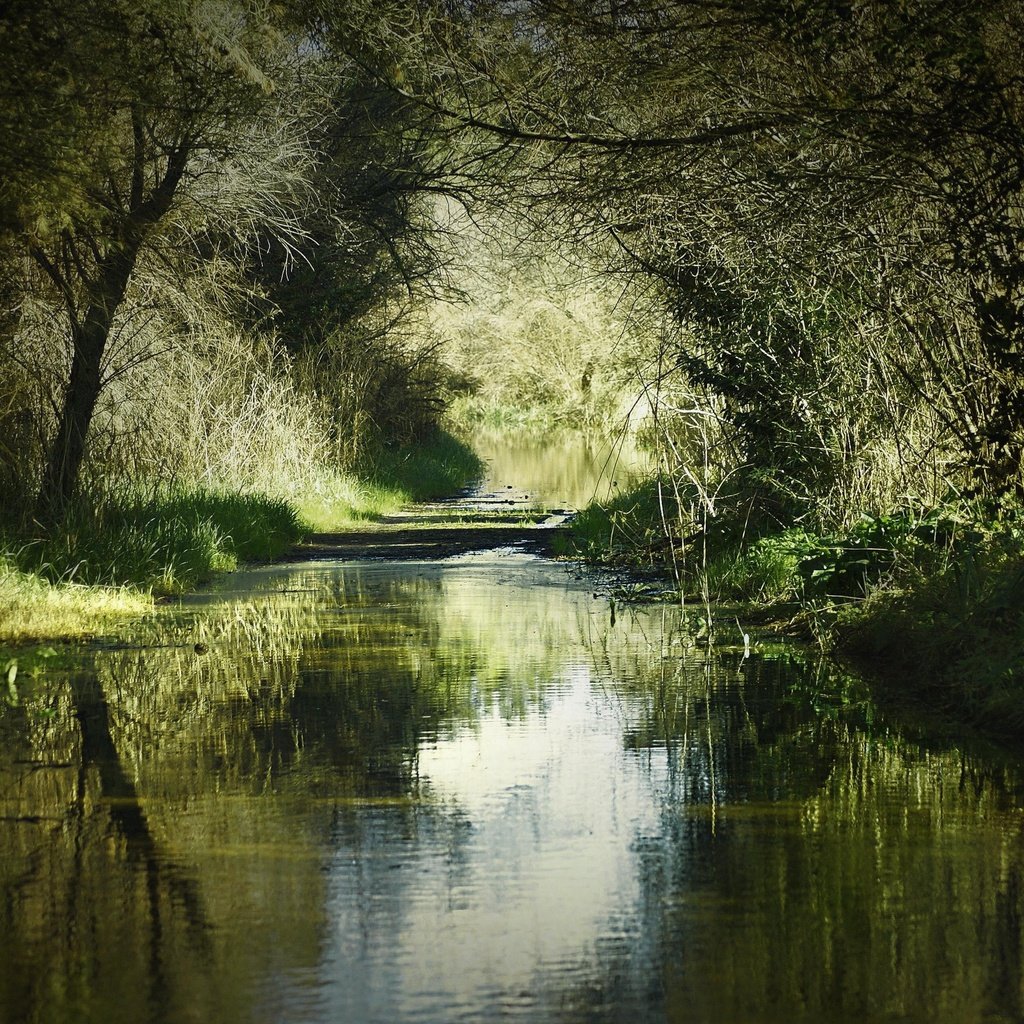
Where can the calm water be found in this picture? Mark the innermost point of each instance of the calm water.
(458, 791)
(558, 470)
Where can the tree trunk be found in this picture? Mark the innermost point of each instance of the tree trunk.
(89, 341)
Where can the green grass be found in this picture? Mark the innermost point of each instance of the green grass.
(387, 481)
(164, 542)
(493, 414)
(339, 500)
(33, 608)
(106, 560)
(438, 466)
(630, 528)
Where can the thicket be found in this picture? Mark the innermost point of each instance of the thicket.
(215, 249)
(541, 341)
(223, 229)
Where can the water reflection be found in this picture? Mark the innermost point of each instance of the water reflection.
(445, 791)
(558, 470)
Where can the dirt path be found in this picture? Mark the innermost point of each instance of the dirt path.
(442, 529)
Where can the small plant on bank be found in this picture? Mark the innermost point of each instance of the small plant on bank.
(636, 526)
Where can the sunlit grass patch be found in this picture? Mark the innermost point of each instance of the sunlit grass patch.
(338, 500)
(32, 608)
(493, 414)
(168, 542)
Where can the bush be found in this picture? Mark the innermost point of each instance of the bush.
(954, 634)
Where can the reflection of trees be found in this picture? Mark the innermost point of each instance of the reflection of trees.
(169, 813)
(238, 761)
(813, 864)
(90, 875)
(166, 883)
(338, 678)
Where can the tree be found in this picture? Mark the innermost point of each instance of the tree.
(159, 102)
(764, 159)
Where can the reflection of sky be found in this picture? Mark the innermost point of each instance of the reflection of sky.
(518, 865)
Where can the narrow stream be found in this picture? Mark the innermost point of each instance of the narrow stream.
(462, 790)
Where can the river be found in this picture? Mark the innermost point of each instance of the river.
(466, 789)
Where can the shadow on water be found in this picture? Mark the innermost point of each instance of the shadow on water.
(459, 790)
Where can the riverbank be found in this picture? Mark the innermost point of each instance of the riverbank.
(112, 559)
(928, 603)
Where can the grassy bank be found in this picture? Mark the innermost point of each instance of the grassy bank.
(953, 636)
(34, 608)
(385, 481)
(928, 602)
(441, 466)
(111, 557)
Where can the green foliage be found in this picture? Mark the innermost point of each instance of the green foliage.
(167, 542)
(433, 468)
(797, 564)
(954, 635)
(630, 528)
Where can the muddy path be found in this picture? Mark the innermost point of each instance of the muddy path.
(460, 525)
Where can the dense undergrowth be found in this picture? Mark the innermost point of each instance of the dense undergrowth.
(929, 601)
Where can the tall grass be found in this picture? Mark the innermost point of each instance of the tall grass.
(167, 542)
(437, 466)
(33, 608)
(388, 479)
